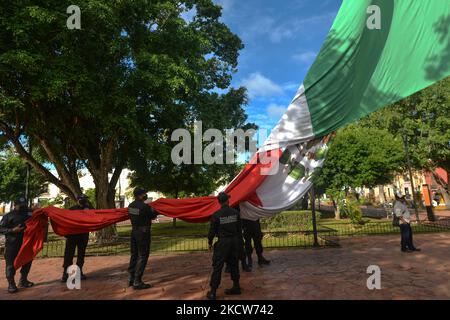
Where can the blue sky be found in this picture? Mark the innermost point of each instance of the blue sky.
(281, 40)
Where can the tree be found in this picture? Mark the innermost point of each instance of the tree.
(13, 176)
(358, 156)
(111, 93)
(424, 119)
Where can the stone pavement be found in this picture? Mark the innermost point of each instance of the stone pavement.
(331, 273)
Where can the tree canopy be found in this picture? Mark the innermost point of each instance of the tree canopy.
(423, 119)
(109, 95)
(360, 156)
(13, 177)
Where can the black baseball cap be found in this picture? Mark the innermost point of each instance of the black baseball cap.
(20, 201)
(223, 197)
(139, 191)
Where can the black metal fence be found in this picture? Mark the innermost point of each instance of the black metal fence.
(329, 233)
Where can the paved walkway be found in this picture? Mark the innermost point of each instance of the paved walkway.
(332, 273)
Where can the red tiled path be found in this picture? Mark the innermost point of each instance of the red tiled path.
(333, 273)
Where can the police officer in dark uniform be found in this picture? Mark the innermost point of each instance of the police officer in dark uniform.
(242, 253)
(226, 225)
(12, 226)
(252, 231)
(78, 241)
(141, 216)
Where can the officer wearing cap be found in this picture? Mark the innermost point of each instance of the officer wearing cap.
(226, 225)
(76, 241)
(141, 216)
(13, 226)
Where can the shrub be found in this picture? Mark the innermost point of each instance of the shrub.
(351, 209)
(289, 221)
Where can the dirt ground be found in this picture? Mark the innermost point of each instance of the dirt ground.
(306, 274)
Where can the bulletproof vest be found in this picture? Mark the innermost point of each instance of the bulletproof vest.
(140, 214)
(229, 222)
(16, 218)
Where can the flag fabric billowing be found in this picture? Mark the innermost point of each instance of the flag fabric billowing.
(291, 182)
(194, 210)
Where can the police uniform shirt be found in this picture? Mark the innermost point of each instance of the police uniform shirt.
(141, 214)
(225, 223)
(10, 221)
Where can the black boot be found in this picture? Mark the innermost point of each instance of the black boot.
(236, 290)
(12, 288)
(140, 285)
(211, 295)
(263, 261)
(24, 283)
(130, 280)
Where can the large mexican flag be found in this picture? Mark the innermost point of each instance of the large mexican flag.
(376, 53)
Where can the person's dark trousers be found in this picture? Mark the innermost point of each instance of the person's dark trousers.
(406, 237)
(140, 251)
(252, 231)
(79, 242)
(11, 252)
(225, 250)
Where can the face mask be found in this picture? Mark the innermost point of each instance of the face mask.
(145, 198)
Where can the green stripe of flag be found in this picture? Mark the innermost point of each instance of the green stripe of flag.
(360, 70)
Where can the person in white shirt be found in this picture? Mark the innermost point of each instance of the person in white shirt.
(402, 212)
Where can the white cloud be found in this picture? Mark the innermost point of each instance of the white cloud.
(260, 86)
(285, 29)
(306, 57)
(275, 110)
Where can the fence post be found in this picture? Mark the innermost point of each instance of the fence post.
(314, 221)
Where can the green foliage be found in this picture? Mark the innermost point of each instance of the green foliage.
(424, 119)
(359, 156)
(352, 209)
(109, 95)
(91, 197)
(13, 172)
(290, 221)
(58, 201)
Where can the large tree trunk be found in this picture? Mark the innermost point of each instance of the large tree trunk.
(105, 197)
(337, 210)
